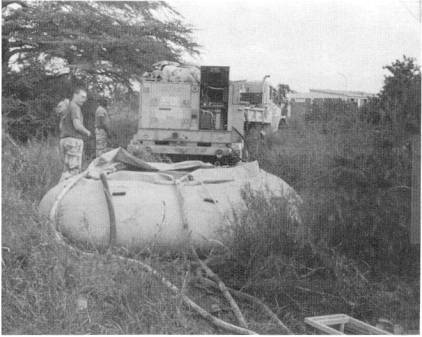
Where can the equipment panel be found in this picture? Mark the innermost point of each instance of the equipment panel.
(169, 105)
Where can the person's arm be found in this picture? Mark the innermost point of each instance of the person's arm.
(103, 124)
(77, 121)
(80, 128)
(107, 128)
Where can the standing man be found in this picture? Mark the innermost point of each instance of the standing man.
(72, 131)
(102, 127)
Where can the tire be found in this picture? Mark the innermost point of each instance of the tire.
(281, 124)
(245, 154)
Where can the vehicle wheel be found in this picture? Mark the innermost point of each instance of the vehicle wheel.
(281, 124)
(245, 154)
(233, 160)
(266, 128)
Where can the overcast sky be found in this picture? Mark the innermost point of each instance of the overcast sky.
(307, 44)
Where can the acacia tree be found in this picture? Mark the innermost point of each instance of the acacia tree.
(96, 40)
(48, 47)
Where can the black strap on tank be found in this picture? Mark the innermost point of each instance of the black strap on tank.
(111, 212)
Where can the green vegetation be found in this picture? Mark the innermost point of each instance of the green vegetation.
(280, 263)
(50, 47)
(355, 184)
(124, 122)
(351, 254)
(42, 282)
(299, 272)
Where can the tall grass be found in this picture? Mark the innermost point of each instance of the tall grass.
(44, 284)
(31, 169)
(355, 181)
(270, 257)
(352, 257)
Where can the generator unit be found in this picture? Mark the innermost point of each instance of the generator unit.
(190, 120)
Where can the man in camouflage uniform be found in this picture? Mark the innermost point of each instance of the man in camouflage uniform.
(72, 131)
(102, 128)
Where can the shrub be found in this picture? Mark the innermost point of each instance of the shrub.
(123, 129)
(326, 109)
(29, 98)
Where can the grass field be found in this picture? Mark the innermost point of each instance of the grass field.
(355, 259)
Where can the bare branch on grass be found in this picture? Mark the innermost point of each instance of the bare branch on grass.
(223, 288)
(312, 272)
(253, 299)
(199, 310)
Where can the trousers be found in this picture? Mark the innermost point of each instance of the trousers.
(100, 142)
(71, 150)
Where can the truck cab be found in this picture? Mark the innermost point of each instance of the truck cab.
(257, 102)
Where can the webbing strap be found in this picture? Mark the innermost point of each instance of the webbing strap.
(54, 208)
(111, 211)
(181, 201)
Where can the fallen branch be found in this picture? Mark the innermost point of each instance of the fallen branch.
(223, 288)
(13, 143)
(202, 312)
(312, 272)
(264, 307)
(255, 300)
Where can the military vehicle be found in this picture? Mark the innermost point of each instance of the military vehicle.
(203, 119)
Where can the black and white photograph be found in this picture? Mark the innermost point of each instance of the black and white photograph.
(188, 167)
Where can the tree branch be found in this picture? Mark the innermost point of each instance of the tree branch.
(223, 288)
(252, 299)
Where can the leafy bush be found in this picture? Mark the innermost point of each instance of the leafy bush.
(29, 98)
(326, 109)
(400, 97)
(124, 124)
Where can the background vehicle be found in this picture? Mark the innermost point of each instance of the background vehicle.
(257, 102)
